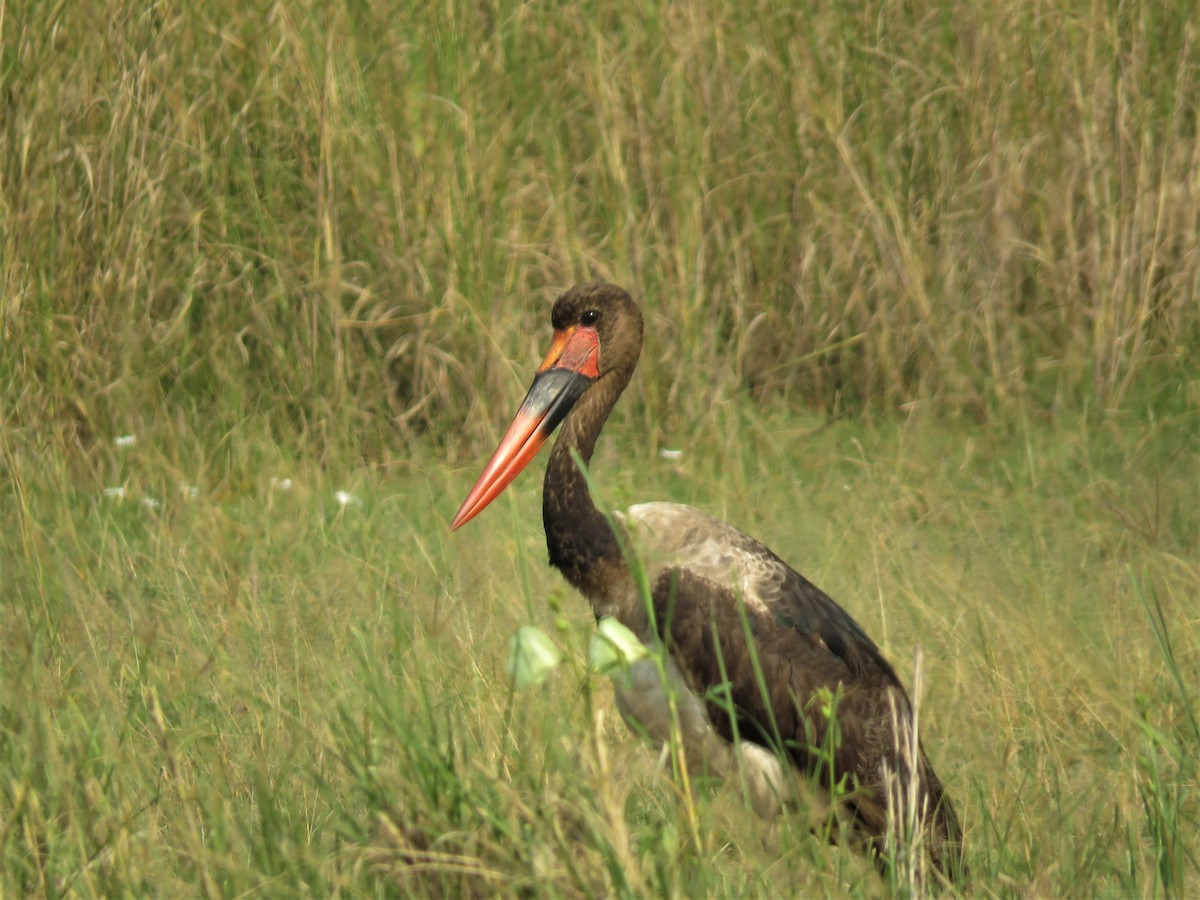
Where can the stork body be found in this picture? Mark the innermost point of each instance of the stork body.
(755, 650)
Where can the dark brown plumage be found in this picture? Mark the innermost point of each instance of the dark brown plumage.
(720, 601)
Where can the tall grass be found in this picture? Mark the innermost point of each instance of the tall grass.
(316, 242)
(353, 209)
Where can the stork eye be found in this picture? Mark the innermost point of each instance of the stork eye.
(590, 317)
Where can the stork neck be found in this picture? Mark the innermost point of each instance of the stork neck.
(577, 533)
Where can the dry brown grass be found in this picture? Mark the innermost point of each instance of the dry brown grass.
(325, 211)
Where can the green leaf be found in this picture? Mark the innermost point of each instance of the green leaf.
(531, 656)
(614, 647)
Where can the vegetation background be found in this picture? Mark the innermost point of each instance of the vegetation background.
(921, 284)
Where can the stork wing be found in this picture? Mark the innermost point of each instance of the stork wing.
(762, 645)
(732, 570)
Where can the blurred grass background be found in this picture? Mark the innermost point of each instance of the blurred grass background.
(921, 289)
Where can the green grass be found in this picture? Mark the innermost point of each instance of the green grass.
(923, 304)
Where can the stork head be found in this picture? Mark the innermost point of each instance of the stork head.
(597, 335)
